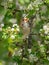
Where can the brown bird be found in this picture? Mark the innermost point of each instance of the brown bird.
(25, 27)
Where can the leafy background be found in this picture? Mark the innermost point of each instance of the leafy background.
(13, 49)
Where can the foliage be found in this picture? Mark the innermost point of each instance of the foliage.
(24, 32)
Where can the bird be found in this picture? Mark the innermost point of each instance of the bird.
(25, 27)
